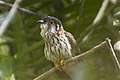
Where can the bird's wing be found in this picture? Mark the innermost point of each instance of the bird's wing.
(75, 47)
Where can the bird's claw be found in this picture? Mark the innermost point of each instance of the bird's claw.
(57, 66)
(62, 62)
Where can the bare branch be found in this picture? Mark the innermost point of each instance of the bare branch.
(101, 45)
(100, 16)
(117, 14)
(2, 3)
(9, 17)
(101, 11)
(42, 76)
(113, 53)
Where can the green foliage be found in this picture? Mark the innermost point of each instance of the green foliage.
(22, 49)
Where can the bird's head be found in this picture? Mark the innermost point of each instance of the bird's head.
(50, 24)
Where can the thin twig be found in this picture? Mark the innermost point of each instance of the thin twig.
(42, 76)
(9, 17)
(101, 12)
(113, 53)
(100, 16)
(2, 3)
(101, 45)
(117, 14)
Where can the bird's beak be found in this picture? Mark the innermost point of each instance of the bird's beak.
(40, 21)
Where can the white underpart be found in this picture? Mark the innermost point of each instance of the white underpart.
(60, 49)
(43, 29)
(52, 29)
(65, 50)
(58, 26)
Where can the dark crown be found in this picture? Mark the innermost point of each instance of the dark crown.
(48, 18)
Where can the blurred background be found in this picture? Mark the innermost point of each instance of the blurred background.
(22, 48)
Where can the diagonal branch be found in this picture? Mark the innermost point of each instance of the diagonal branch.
(9, 17)
(117, 14)
(98, 19)
(113, 53)
(2, 3)
(101, 12)
(101, 45)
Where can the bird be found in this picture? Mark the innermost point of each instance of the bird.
(60, 45)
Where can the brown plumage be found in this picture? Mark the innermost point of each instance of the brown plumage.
(59, 44)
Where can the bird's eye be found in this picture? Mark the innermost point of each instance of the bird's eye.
(51, 22)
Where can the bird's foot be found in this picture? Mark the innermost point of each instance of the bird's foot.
(62, 62)
(58, 66)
